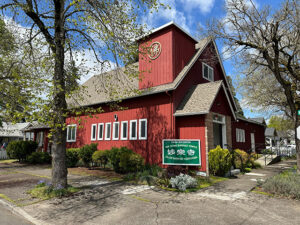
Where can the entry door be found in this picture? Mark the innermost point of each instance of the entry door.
(252, 142)
(218, 134)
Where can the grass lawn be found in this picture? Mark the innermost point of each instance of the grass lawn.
(8, 160)
(108, 174)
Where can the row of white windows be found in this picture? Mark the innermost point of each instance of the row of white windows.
(133, 130)
(240, 135)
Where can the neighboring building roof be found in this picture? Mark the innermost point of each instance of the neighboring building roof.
(102, 88)
(12, 130)
(258, 119)
(270, 132)
(35, 126)
(251, 120)
(200, 98)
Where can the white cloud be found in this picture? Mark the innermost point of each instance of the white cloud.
(167, 14)
(204, 6)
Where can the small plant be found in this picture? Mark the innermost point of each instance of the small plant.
(219, 161)
(247, 170)
(72, 155)
(86, 152)
(101, 157)
(39, 158)
(183, 182)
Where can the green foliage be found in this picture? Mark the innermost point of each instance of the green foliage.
(101, 157)
(86, 152)
(241, 159)
(39, 158)
(20, 149)
(281, 123)
(247, 170)
(219, 161)
(183, 182)
(72, 155)
(285, 184)
(124, 160)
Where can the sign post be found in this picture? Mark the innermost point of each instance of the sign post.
(181, 152)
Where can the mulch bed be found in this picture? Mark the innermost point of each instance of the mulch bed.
(96, 171)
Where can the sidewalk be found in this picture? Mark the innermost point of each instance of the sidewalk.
(107, 202)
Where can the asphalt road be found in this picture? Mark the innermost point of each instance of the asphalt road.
(8, 218)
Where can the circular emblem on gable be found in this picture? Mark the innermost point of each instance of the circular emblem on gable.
(155, 50)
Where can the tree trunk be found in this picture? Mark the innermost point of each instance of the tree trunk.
(297, 123)
(59, 169)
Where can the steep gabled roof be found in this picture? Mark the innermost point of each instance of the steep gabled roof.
(200, 98)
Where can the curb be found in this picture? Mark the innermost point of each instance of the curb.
(20, 212)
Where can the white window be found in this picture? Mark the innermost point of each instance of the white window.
(207, 72)
(93, 132)
(143, 129)
(100, 131)
(107, 131)
(116, 131)
(71, 133)
(124, 130)
(133, 129)
(240, 135)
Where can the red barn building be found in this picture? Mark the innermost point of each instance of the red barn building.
(183, 93)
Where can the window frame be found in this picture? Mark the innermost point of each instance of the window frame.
(122, 124)
(68, 128)
(240, 135)
(106, 138)
(113, 131)
(208, 68)
(98, 134)
(92, 126)
(130, 131)
(140, 130)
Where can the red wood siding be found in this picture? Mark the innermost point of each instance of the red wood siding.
(183, 50)
(160, 70)
(259, 135)
(193, 127)
(221, 104)
(157, 111)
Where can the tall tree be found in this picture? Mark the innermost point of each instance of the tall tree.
(68, 26)
(265, 38)
(281, 123)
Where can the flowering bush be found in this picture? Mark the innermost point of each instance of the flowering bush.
(183, 181)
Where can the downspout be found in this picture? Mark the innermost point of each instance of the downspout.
(172, 119)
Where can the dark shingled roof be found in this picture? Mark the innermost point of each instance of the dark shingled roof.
(258, 119)
(199, 99)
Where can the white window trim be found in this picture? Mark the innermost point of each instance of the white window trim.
(98, 134)
(94, 125)
(113, 134)
(71, 125)
(130, 136)
(209, 67)
(106, 138)
(140, 130)
(122, 124)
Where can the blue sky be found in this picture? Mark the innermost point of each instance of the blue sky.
(190, 13)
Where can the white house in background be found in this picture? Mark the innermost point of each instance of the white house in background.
(11, 132)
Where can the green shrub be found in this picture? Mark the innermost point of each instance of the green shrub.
(101, 157)
(86, 152)
(241, 159)
(183, 182)
(72, 155)
(39, 158)
(285, 184)
(247, 170)
(124, 160)
(256, 165)
(219, 161)
(20, 149)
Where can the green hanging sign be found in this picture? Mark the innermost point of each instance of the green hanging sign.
(298, 112)
(181, 152)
